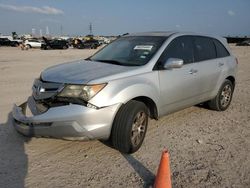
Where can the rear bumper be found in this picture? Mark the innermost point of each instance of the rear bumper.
(69, 122)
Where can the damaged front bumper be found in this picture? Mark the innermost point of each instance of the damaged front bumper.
(71, 121)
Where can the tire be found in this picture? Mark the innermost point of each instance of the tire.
(223, 99)
(129, 127)
(65, 47)
(28, 46)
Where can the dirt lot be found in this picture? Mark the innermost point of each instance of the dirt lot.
(208, 149)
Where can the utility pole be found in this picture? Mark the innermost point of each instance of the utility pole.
(90, 29)
(61, 30)
(47, 30)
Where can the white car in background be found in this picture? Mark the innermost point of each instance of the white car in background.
(33, 43)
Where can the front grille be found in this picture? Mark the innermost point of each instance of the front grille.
(44, 96)
(43, 90)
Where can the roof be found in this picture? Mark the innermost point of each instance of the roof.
(169, 33)
(178, 33)
(154, 33)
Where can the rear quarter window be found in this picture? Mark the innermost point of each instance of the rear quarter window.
(204, 49)
(220, 49)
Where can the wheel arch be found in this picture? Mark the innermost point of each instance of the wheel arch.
(231, 79)
(153, 112)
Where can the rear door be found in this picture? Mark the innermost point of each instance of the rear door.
(207, 65)
(55, 44)
(179, 87)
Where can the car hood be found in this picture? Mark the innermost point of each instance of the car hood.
(81, 72)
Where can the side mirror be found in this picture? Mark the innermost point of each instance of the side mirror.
(172, 63)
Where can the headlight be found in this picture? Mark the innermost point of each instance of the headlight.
(85, 92)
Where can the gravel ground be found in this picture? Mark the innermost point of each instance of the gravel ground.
(207, 148)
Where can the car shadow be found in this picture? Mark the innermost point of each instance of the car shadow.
(13, 159)
(203, 106)
(145, 174)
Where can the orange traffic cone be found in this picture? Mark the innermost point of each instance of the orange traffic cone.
(163, 177)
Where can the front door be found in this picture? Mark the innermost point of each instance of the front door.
(179, 86)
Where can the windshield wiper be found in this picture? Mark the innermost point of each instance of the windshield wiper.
(88, 59)
(116, 62)
(110, 61)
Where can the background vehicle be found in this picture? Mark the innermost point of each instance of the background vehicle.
(7, 42)
(17, 40)
(90, 44)
(55, 44)
(112, 94)
(244, 43)
(33, 43)
(14, 39)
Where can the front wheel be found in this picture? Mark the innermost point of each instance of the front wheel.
(223, 99)
(28, 46)
(129, 127)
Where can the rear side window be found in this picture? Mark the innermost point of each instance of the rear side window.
(181, 48)
(221, 50)
(204, 49)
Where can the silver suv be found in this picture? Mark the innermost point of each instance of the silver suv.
(110, 95)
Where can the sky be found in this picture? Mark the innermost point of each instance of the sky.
(114, 17)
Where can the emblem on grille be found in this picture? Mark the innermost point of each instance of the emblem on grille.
(40, 89)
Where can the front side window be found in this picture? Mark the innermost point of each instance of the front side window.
(33, 41)
(181, 48)
(130, 50)
(204, 49)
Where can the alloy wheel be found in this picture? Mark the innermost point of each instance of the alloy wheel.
(138, 128)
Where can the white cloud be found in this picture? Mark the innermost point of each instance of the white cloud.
(30, 9)
(177, 26)
(230, 13)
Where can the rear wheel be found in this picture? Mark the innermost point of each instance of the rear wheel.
(223, 99)
(130, 126)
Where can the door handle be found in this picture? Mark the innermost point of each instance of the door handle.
(221, 64)
(193, 71)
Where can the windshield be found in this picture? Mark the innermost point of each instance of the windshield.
(130, 50)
